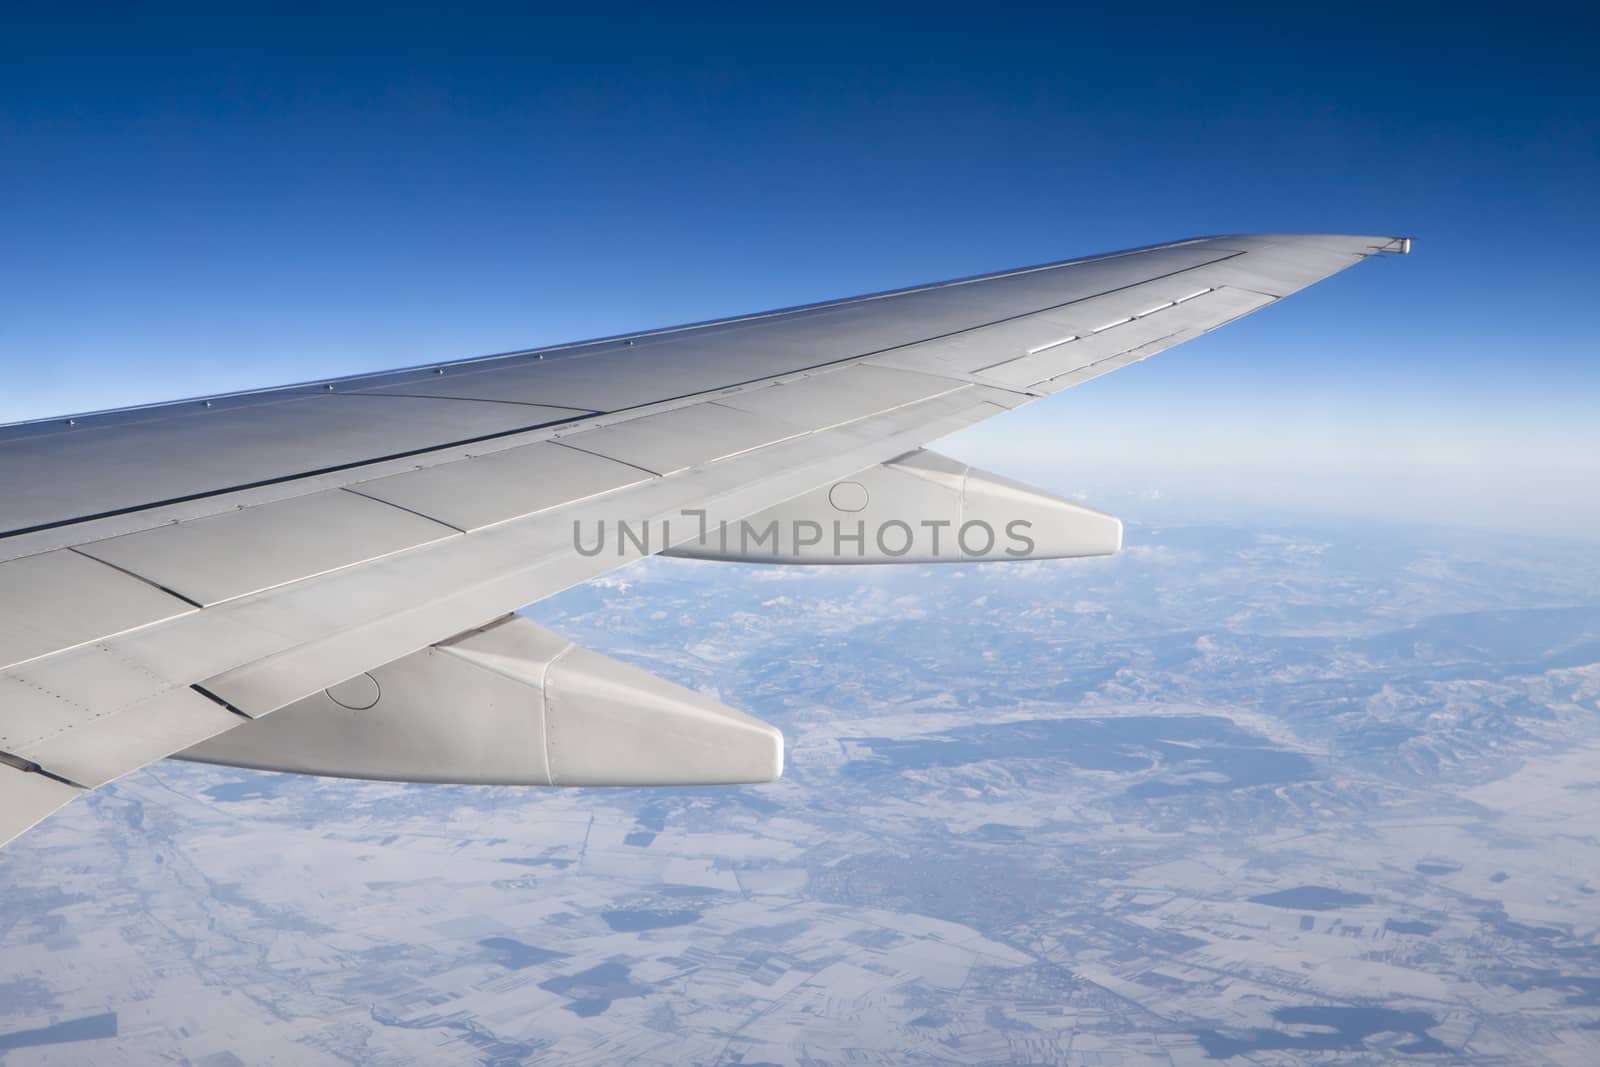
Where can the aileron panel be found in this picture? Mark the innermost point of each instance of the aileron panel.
(225, 556)
(681, 438)
(839, 396)
(59, 600)
(481, 491)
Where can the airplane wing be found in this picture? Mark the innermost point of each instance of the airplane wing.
(319, 577)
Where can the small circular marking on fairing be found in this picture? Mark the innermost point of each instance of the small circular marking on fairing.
(357, 694)
(848, 496)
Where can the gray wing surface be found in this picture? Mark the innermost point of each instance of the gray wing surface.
(172, 572)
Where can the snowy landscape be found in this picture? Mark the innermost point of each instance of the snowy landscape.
(1261, 792)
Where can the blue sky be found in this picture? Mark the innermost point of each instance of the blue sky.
(195, 203)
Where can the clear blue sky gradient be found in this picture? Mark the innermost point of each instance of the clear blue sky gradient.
(196, 203)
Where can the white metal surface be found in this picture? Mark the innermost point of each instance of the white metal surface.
(627, 372)
(918, 508)
(683, 437)
(1111, 363)
(437, 717)
(382, 611)
(47, 727)
(57, 600)
(510, 704)
(25, 798)
(1277, 267)
(607, 723)
(226, 556)
(60, 473)
(839, 396)
(471, 494)
(1203, 311)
